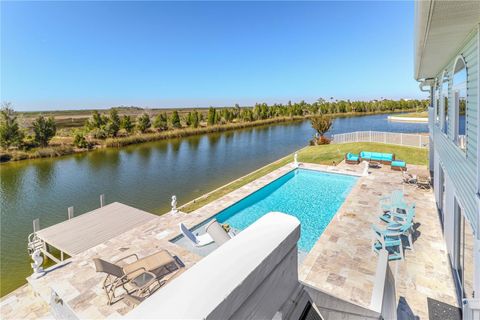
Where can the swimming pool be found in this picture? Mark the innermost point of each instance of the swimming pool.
(312, 196)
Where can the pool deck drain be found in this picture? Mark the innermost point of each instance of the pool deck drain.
(424, 273)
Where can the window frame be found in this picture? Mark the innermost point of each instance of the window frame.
(456, 103)
(437, 95)
(444, 115)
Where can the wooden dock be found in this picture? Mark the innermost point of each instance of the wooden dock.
(93, 228)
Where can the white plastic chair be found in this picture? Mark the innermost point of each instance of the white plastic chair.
(198, 241)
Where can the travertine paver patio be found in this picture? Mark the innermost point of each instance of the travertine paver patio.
(79, 286)
(343, 264)
(24, 304)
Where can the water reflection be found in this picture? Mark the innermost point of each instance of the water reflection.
(144, 176)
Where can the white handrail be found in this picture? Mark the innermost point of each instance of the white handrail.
(404, 139)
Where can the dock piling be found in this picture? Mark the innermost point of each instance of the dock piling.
(70, 213)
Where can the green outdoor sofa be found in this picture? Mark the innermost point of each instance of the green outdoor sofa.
(385, 158)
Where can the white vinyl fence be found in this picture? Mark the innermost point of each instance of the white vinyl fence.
(404, 139)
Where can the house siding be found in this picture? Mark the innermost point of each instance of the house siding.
(460, 166)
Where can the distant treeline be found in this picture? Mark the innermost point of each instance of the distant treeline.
(114, 124)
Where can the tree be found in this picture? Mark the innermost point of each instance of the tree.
(10, 133)
(321, 124)
(97, 121)
(188, 119)
(194, 119)
(44, 130)
(160, 122)
(127, 124)
(175, 120)
(113, 124)
(143, 123)
(212, 116)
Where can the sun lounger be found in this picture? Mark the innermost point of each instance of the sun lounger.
(198, 241)
(218, 234)
(135, 277)
(409, 178)
(423, 183)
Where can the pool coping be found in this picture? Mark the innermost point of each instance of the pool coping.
(292, 167)
(257, 184)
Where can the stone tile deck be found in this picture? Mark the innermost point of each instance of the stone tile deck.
(341, 262)
(343, 265)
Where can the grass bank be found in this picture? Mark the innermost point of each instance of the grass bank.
(325, 154)
(186, 132)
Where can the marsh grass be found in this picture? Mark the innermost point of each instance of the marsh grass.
(186, 132)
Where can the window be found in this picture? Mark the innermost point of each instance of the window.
(444, 102)
(437, 102)
(459, 89)
(464, 253)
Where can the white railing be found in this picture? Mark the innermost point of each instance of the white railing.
(404, 139)
(383, 299)
(471, 309)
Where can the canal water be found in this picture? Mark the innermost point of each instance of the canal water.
(144, 176)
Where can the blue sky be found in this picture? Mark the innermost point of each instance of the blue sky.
(69, 55)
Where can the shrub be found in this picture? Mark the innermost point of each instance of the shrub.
(143, 123)
(97, 121)
(10, 133)
(113, 125)
(175, 120)
(194, 119)
(160, 122)
(80, 141)
(44, 130)
(98, 133)
(212, 116)
(127, 124)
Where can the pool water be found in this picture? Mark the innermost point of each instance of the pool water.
(312, 197)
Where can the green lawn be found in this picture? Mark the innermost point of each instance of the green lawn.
(336, 152)
(325, 154)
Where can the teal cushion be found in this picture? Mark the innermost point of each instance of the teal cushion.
(388, 156)
(378, 156)
(365, 155)
(352, 157)
(398, 163)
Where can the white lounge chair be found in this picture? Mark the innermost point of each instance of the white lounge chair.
(216, 231)
(198, 241)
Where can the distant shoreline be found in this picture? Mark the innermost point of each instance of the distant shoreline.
(65, 145)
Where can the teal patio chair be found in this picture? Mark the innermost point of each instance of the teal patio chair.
(404, 226)
(395, 199)
(399, 213)
(390, 241)
(405, 229)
